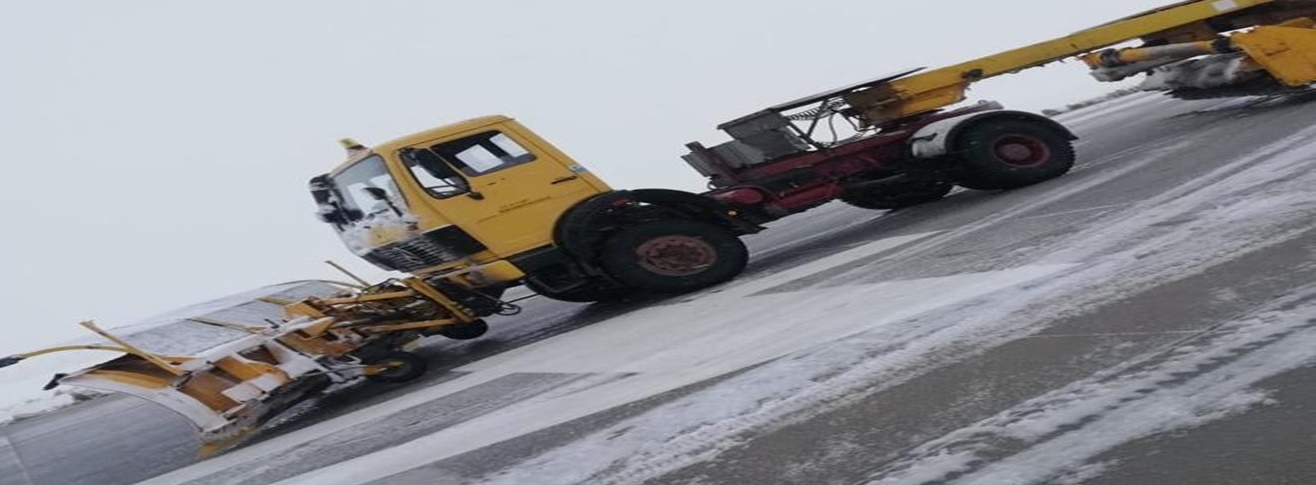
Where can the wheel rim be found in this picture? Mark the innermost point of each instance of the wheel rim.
(1021, 151)
(676, 255)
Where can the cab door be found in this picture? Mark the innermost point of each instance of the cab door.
(499, 186)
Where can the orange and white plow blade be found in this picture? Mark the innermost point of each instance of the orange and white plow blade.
(226, 390)
(225, 365)
(231, 364)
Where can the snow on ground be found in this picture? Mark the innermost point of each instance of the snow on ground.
(1205, 377)
(1108, 108)
(864, 337)
(798, 350)
(1236, 209)
(22, 384)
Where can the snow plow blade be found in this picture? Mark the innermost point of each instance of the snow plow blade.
(230, 365)
(226, 391)
(1265, 48)
(1287, 52)
(1265, 60)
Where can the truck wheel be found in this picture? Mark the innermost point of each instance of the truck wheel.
(897, 196)
(398, 367)
(1009, 154)
(589, 292)
(673, 256)
(464, 331)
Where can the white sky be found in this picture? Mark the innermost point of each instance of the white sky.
(158, 150)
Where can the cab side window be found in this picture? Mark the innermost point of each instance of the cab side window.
(484, 153)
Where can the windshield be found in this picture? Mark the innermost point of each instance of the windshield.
(356, 184)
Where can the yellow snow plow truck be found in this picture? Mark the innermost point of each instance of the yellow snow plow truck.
(471, 209)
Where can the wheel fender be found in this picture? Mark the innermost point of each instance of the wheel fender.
(940, 138)
(697, 207)
(576, 231)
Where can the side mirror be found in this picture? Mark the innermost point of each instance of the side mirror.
(327, 207)
(329, 214)
(332, 214)
(325, 210)
(320, 189)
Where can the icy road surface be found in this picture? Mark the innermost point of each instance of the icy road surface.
(1148, 319)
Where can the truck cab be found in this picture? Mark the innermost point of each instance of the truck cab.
(463, 195)
(486, 204)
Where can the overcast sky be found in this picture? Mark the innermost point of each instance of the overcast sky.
(158, 151)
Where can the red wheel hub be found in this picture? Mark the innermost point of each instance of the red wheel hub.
(676, 255)
(1021, 151)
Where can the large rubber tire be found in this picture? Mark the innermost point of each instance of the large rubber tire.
(464, 331)
(586, 293)
(673, 256)
(406, 367)
(1008, 154)
(897, 196)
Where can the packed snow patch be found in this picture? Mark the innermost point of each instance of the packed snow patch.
(1190, 383)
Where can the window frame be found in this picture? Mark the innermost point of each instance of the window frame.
(416, 167)
(487, 139)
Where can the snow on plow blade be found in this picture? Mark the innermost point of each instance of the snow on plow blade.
(231, 364)
(225, 391)
(225, 365)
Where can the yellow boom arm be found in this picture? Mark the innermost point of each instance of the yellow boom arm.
(1182, 22)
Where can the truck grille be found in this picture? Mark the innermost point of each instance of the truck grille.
(440, 246)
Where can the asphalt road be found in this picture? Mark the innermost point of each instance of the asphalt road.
(893, 430)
